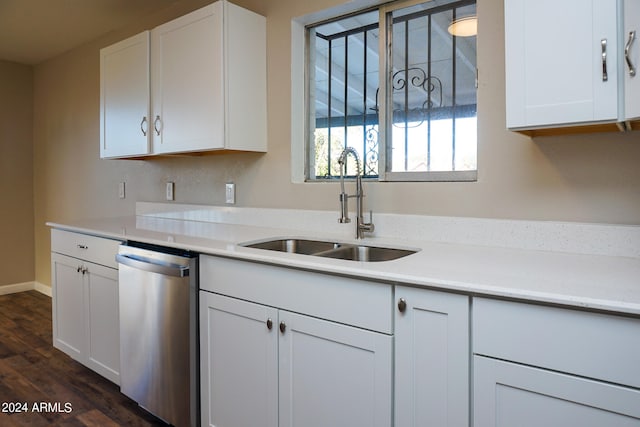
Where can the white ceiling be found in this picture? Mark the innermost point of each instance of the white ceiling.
(32, 31)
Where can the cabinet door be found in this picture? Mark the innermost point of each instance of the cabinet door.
(124, 98)
(431, 358)
(632, 51)
(508, 394)
(103, 351)
(239, 368)
(69, 326)
(554, 62)
(332, 374)
(187, 82)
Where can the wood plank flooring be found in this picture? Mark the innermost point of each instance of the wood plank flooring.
(64, 392)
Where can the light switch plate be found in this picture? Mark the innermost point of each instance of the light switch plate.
(170, 188)
(230, 193)
(121, 192)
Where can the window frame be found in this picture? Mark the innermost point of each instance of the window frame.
(386, 63)
(301, 76)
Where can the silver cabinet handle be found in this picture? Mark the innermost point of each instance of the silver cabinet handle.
(283, 327)
(603, 44)
(627, 53)
(79, 269)
(155, 125)
(402, 305)
(142, 123)
(269, 324)
(83, 247)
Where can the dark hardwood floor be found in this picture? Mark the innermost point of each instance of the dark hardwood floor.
(56, 389)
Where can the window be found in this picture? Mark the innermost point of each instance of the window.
(415, 120)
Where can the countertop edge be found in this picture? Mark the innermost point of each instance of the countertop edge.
(230, 249)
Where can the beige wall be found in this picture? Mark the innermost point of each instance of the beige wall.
(592, 178)
(16, 173)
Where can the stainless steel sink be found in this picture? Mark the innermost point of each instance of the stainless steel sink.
(297, 246)
(335, 250)
(366, 253)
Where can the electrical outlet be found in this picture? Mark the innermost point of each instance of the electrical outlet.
(170, 189)
(230, 193)
(121, 193)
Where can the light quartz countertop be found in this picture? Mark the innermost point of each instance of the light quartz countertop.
(545, 272)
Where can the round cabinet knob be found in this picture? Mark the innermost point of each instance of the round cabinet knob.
(283, 327)
(402, 305)
(269, 324)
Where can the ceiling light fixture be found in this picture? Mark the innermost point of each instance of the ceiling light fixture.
(464, 27)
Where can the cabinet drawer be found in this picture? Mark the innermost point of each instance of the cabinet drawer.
(508, 394)
(350, 301)
(94, 249)
(593, 345)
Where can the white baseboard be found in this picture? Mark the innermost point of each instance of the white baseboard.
(42, 288)
(26, 286)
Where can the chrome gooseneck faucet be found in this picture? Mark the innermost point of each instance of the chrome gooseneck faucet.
(361, 226)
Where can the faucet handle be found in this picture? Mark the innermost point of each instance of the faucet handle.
(368, 226)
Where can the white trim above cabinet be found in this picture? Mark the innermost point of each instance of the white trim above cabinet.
(194, 84)
(563, 65)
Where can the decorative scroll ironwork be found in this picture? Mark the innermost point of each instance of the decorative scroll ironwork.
(370, 166)
(411, 81)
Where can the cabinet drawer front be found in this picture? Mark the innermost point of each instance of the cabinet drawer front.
(593, 345)
(349, 301)
(507, 394)
(90, 248)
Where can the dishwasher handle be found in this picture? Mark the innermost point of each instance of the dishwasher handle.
(153, 266)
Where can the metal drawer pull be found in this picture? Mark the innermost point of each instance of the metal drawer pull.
(283, 327)
(83, 247)
(142, 123)
(627, 53)
(269, 324)
(603, 44)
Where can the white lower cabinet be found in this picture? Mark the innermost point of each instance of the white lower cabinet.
(239, 362)
(332, 374)
(431, 358)
(272, 366)
(547, 366)
(86, 322)
(509, 394)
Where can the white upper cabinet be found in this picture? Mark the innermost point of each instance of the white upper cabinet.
(206, 79)
(631, 72)
(564, 62)
(124, 98)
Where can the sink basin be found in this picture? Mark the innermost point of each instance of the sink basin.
(334, 250)
(366, 253)
(297, 246)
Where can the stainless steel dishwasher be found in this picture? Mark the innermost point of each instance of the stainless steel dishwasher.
(159, 331)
